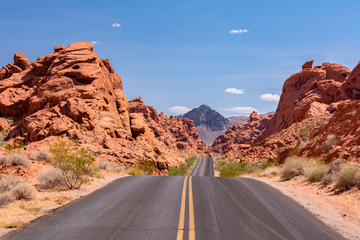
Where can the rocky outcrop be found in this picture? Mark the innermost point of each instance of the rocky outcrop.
(317, 116)
(209, 122)
(178, 134)
(319, 84)
(73, 93)
(239, 134)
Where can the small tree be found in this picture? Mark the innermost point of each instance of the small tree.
(75, 166)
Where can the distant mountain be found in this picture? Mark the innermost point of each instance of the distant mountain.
(210, 123)
(238, 119)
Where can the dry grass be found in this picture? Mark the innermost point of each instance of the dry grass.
(50, 178)
(293, 166)
(40, 156)
(104, 164)
(13, 224)
(347, 177)
(7, 183)
(18, 159)
(270, 172)
(3, 160)
(24, 191)
(316, 173)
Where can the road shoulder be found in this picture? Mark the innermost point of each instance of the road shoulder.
(339, 211)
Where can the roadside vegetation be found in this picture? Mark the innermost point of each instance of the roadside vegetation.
(341, 175)
(184, 168)
(232, 168)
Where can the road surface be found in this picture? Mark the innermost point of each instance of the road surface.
(199, 207)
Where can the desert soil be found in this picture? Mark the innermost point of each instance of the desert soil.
(341, 211)
(22, 212)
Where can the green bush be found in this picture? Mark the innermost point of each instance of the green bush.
(293, 167)
(15, 145)
(231, 168)
(50, 178)
(146, 166)
(347, 177)
(18, 159)
(75, 166)
(23, 191)
(184, 167)
(316, 174)
(134, 171)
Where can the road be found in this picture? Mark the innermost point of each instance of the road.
(199, 206)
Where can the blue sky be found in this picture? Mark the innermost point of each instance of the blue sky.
(181, 53)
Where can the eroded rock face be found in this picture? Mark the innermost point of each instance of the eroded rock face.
(317, 116)
(172, 136)
(239, 134)
(73, 93)
(319, 84)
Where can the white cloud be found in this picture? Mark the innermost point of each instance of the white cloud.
(270, 97)
(116, 25)
(179, 109)
(245, 110)
(238, 31)
(234, 91)
(94, 42)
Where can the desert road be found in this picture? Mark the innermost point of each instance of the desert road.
(199, 206)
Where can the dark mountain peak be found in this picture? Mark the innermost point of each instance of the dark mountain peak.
(205, 107)
(205, 116)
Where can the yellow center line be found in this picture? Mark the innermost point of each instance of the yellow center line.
(191, 212)
(180, 232)
(203, 167)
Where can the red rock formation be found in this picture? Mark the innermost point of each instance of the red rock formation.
(240, 134)
(73, 93)
(319, 84)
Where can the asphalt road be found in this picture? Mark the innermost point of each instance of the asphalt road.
(196, 207)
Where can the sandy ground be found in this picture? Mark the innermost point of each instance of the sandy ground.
(340, 211)
(23, 211)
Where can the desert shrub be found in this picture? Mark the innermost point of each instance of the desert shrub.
(18, 159)
(23, 191)
(315, 174)
(3, 160)
(330, 142)
(231, 168)
(9, 182)
(104, 164)
(146, 166)
(357, 179)
(183, 168)
(40, 156)
(134, 171)
(270, 172)
(327, 179)
(346, 178)
(6, 198)
(14, 145)
(50, 178)
(293, 167)
(75, 166)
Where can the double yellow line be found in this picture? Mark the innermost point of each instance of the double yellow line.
(181, 227)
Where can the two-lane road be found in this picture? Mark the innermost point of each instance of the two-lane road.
(196, 207)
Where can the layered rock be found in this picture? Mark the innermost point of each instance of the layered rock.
(73, 93)
(239, 134)
(317, 116)
(319, 84)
